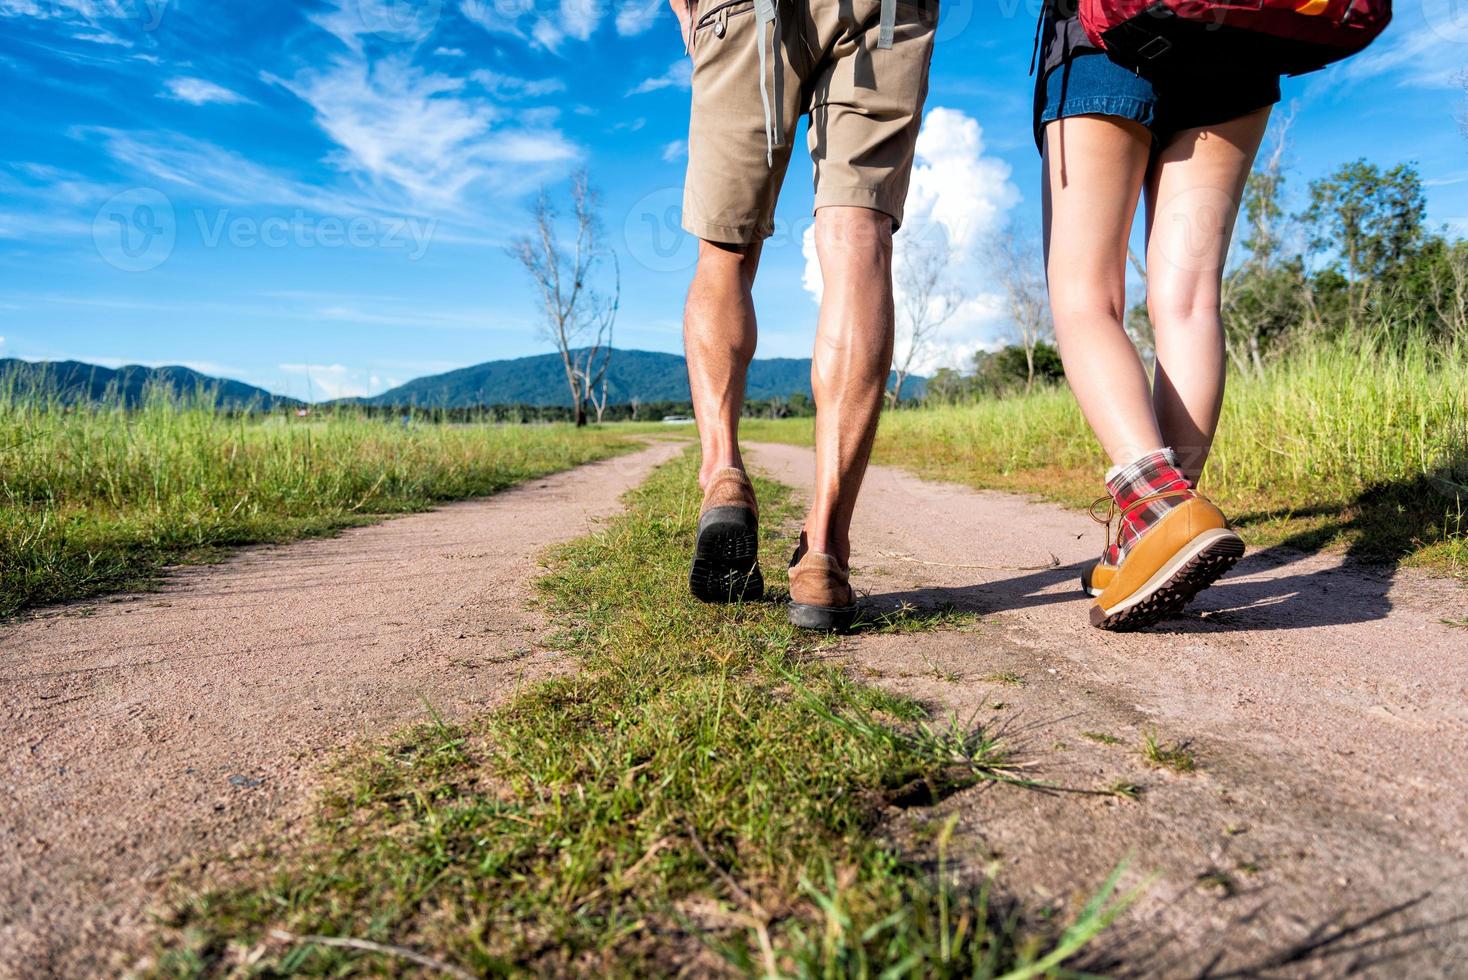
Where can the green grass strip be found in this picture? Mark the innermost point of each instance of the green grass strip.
(702, 794)
(95, 499)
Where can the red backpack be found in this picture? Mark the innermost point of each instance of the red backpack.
(1288, 36)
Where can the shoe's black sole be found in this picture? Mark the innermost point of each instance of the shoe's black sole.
(726, 557)
(1199, 572)
(827, 619)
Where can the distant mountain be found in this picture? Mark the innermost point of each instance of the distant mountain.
(648, 376)
(74, 381)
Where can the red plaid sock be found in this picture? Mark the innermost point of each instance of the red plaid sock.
(1154, 473)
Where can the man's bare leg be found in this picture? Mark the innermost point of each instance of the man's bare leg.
(719, 339)
(853, 357)
(719, 336)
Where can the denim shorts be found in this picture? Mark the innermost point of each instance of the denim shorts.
(1090, 83)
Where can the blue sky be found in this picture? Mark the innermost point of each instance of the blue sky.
(315, 196)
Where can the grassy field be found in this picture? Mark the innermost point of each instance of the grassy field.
(702, 793)
(1344, 446)
(96, 500)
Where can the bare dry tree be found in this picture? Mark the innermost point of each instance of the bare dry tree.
(1021, 269)
(573, 312)
(594, 361)
(926, 300)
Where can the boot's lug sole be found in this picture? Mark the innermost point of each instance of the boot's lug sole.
(1206, 559)
(726, 557)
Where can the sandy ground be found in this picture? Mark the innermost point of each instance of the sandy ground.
(1325, 832)
(140, 732)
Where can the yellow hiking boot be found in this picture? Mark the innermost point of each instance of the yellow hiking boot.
(1186, 550)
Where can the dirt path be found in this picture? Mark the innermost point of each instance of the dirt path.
(140, 732)
(1325, 832)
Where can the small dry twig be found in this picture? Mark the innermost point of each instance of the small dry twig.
(759, 919)
(401, 952)
(1054, 562)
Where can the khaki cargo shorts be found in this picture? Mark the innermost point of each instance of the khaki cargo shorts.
(865, 105)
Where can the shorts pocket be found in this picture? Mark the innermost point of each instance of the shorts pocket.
(715, 20)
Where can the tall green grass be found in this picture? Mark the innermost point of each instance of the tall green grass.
(96, 498)
(1351, 444)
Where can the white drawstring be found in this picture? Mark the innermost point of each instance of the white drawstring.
(766, 14)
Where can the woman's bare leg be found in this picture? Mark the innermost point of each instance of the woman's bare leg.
(1193, 194)
(1094, 167)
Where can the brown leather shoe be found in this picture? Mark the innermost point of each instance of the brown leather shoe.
(1178, 557)
(820, 592)
(726, 551)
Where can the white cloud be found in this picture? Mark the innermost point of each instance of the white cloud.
(580, 18)
(219, 175)
(512, 87)
(482, 13)
(92, 13)
(539, 118)
(1447, 180)
(417, 133)
(534, 22)
(199, 91)
(352, 20)
(323, 382)
(637, 16)
(676, 150)
(449, 52)
(1423, 48)
(678, 75)
(954, 184)
(547, 34)
(103, 37)
(963, 196)
(212, 368)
